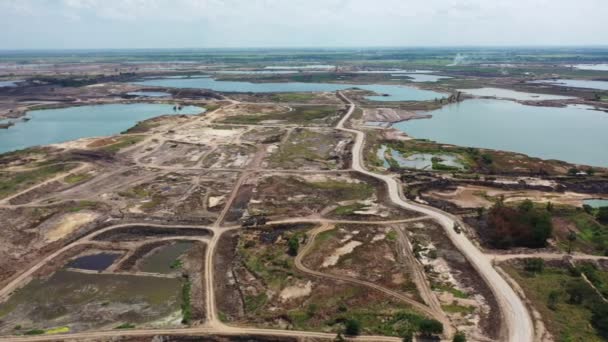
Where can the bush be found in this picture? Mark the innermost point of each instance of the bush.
(353, 327)
(579, 291)
(525, 226)
(487, 159)
(459, 337)
(430, 326)
(293, 245)
(535, 265)
(552, 300)
(602, 215)
(599, 318)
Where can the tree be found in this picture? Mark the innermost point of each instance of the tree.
(599, 318)
(429, 327)
(294, 245)
(353, 327)
(487, 158)
(526, 206)
(572, 171)
(480, 211)
(549, 206)
(459, 337)
(408, 336)
(578, 291)
(602, 215)
(571, 238)
(535, 265)
(552, 300)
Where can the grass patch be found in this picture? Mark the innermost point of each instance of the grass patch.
(34, 332)
(392, 235)
(12, 182)
(567, 321)
(254, 303)
(122, 143)
(455, 308)
(58, 330)
(292, 97)
(299, 115)
(347, 210)
(77, 178)
(454, 291)
(82, 205)
(186, 302)
(344, 190)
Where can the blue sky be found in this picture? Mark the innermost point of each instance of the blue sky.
(69, 24)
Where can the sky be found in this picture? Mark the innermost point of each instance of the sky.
(90, 24)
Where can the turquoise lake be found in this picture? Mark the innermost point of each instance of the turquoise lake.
(52, 126)
(396, 93)
(574, 134)
(596, 203)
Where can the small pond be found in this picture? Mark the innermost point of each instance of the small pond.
(596, 202)
(163, 259)
(94, 262)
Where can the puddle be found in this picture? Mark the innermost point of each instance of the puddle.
(94, 262)
(163, 259)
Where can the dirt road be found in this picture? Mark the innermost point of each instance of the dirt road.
(401, 297)
(517, 321)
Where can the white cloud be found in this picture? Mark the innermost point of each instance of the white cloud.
(315, 22)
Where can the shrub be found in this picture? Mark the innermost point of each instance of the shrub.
(293, 245)
(430, 326)
(459, 337)
(525, 226)
(353, 327)
(535, 265)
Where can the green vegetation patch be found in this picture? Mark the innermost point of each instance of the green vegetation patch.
(123, 142)
(524, 226)
(565, 301)
(12, 182)
(302, 115)
(186, 304)
(347, 210)
(77, 178)
(293, 97)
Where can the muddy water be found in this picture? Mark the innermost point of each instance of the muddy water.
(161, 260)
(574, 134)
(83, 301)
(52, 126)
(94, 262)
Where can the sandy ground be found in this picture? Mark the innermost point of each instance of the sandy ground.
(68, 224)
(479, 196)
(296, 291)
(344, 250)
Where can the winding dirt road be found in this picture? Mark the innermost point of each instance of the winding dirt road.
(399, 296)
(517, 321)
